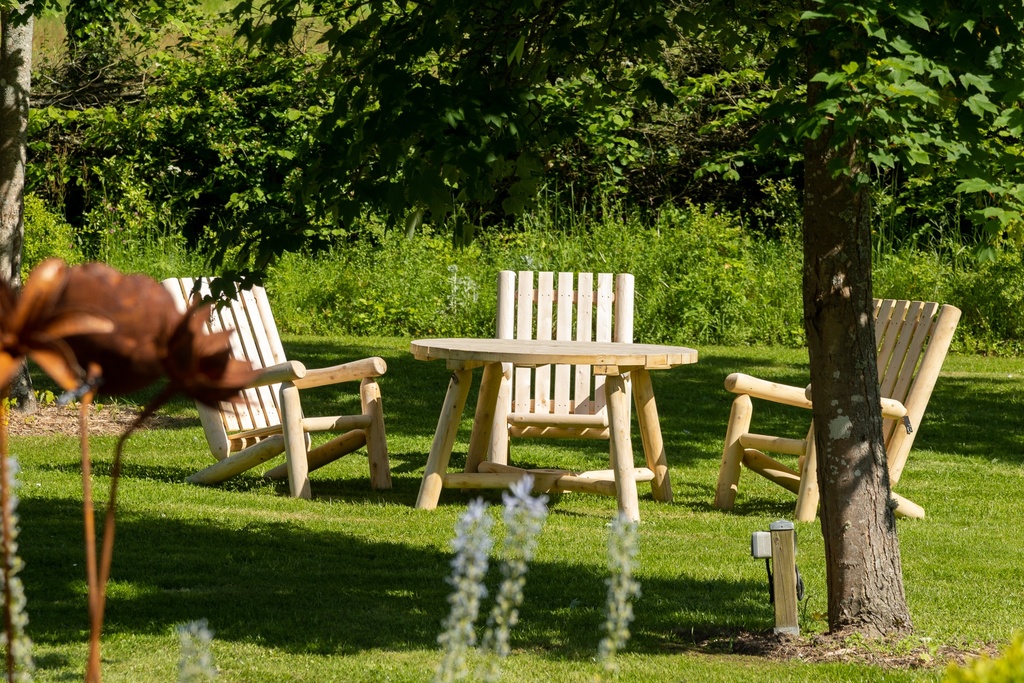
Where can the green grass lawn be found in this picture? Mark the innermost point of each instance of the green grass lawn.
(351, 585)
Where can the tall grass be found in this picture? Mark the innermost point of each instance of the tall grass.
(702, 277)
(698, 277)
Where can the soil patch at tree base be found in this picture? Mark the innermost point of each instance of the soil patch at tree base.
(908, 652)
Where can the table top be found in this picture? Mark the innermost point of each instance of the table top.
(531, 353)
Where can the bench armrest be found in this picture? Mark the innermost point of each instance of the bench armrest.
(289, 371)
(891, 408)
(739, 383)
(346, 372)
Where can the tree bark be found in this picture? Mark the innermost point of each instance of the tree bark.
(862, 554)
(15, 86)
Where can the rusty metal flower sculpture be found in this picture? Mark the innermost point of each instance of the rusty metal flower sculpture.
(199, 364)
(35, 325)
(94, 329)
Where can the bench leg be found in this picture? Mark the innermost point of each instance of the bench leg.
(732, 453)
(294, 441)
(376, 438)
(807, 497)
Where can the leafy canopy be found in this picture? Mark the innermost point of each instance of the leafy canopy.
(433, 104)
(916, 83)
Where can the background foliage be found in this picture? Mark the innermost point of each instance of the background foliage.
(210, 140)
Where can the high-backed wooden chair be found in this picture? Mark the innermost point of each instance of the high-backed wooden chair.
(913, 338)
(268, 420)
(561, 400)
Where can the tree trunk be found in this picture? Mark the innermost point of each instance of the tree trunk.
(862, 554)
(15, 84)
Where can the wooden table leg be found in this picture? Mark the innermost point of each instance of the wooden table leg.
(483, 420)
(444, 439)
(621, 448)
(497, 450)
(650, 433)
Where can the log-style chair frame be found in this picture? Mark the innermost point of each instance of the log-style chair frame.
(560, 401)
(268, 420)
(913, 338)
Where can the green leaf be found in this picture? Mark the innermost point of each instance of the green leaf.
(979, 82)
(941, 74)
(902, 46)
(919, 156)
(517, 52)
(829, 79)
(915, 89)
(1000, 214)
(914, 18)
(969, 185)
(883, 115)
(986, 254)
(1012, 120)
(413, 222)
(979, 104)
(883, 159)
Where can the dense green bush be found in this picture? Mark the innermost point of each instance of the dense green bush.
(206, 155)
(46, 235)
(701, 278)
(385, 285)
(217, 144)
(992, 298)
(989, 292)
(1008, 668)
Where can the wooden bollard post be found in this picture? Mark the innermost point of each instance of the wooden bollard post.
(784, 576)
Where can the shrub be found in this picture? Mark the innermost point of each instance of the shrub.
(984, 290)
(1008, 668)
(386, 284)
(46, 235)
(991, 295)
(911, 274)
(207, 154)
(695, 279)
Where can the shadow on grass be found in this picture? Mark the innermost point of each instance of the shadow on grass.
(284, 586)
(975, 419)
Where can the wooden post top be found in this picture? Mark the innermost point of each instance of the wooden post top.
(606, 357)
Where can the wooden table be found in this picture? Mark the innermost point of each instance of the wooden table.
(607, 358)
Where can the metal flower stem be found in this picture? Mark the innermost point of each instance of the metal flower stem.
(92, 671)
(100, 573)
